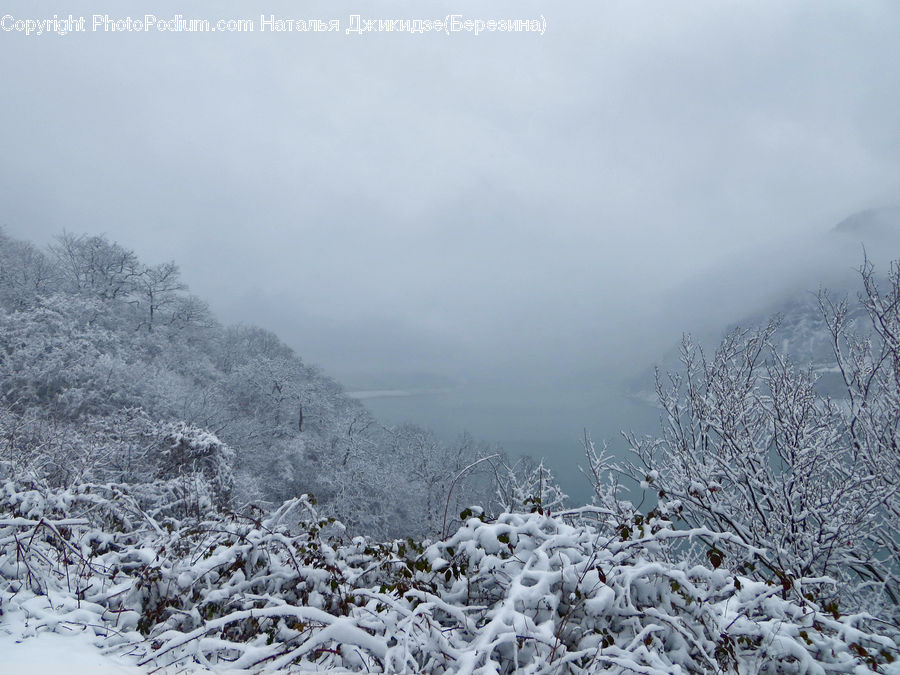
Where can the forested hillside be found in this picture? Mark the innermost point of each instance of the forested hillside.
(111, 371)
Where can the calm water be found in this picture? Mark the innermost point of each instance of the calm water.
(552, 428)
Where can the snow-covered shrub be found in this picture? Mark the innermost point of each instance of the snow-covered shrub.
(188, 452)
(748, 446)
(527, 487)
(191, 465)
(524, 593)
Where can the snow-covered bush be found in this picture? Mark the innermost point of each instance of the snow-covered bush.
(187, 452)
(750, 446)
(524, 593)
(527, 486)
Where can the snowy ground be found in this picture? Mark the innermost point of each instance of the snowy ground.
(74, 652)
(57, 653)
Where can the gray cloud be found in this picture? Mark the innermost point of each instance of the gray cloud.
(511, 208)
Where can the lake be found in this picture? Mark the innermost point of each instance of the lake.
(549, 426)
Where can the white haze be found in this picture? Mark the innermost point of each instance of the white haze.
(522, 220)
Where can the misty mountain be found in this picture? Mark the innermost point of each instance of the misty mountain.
(830, 266)
(872, 225)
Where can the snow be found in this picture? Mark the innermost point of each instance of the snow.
(523, 593)
(72, 652)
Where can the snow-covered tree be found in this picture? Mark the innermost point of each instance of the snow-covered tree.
(95, 266)
(749, 446)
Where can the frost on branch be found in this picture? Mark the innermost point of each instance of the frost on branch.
(290, 590)
(751, 445)
(526, 487)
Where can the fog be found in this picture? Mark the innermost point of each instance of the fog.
(509, 225)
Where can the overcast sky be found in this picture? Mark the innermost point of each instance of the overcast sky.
(514, 207)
